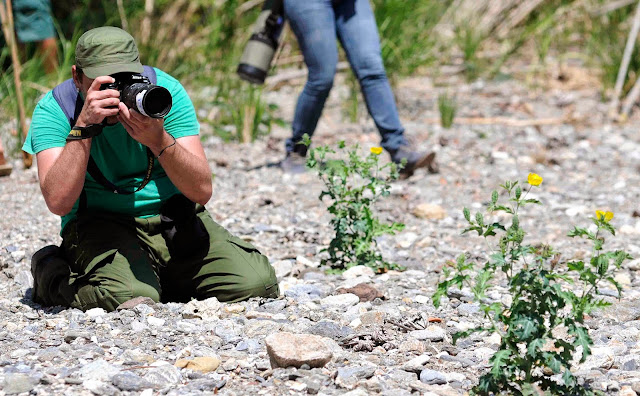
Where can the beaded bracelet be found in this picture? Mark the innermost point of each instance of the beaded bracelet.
(172, 144)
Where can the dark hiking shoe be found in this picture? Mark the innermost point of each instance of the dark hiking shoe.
(414, 160)
(296, 160)
(294, 163)
(45, 258)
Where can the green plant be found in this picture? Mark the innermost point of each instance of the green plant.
(447, 107)
(549, 296)
(243, 115)
(469, 39)
(353, 186)
(407, 28)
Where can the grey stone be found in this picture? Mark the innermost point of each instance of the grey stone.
(276, 306)
(630, 365)
(305, 292)
(623, 311)
(416, 364)
(163, 375)
(143, 310)
(15, 383)
(129, 381)
(433, 377)
(100, 388)
(463, 361)
(357, 372)
(49, 354)
(431, 333)
(340, 301)
(98, 370)
(249, 345)
(314, 383)
(330, 329)
(468, 309)
(402, 376)
(282, 268)
(229, 331)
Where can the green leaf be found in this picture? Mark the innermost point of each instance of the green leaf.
(578, 232)
(494, 197)
(502, 208)
(582, 339)
(499, 360)
(568, 378)
(575, 265)
(552, 362)
(518, 192)
(467, 214)
(515, 222)
(480, 219)
(535, 346)
(523, 327)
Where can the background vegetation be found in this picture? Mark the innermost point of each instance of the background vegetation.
(200, 42)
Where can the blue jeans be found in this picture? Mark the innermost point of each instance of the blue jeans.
(316, 24)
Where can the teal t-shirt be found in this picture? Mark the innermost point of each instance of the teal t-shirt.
(121, 159)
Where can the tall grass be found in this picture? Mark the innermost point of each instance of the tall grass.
(447, 108)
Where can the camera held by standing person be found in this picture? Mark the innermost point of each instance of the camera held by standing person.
(317, 24)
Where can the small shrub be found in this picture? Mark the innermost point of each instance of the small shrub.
(353, 186)
(548, 294)
(447, 106)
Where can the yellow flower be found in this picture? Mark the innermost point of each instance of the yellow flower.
(376, 150)
(602, 214)
(534, 179)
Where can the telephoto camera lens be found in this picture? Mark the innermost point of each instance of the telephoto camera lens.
(261, 48)
(148, 99)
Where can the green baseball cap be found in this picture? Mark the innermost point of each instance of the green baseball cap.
(107, 50)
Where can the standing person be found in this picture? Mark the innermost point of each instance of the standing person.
(316, 23)
(131, 191)
(33, 23)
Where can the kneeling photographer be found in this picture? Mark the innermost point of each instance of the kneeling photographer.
(120, 160)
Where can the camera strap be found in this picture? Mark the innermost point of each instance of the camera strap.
(80, 133)
(97, 175)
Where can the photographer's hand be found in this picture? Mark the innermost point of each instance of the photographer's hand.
(183, 160)
(146, 130)
(99, 104)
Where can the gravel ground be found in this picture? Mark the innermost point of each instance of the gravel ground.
(207, 347)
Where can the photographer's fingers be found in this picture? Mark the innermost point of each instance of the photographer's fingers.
(125, 117)
(107, 93)
(98, 81)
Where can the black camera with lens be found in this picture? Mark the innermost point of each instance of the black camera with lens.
(261, 48)
(137, 92)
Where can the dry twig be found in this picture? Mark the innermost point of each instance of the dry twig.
(626, 59)
(6, 17)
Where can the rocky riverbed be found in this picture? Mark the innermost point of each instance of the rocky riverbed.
(355, 333)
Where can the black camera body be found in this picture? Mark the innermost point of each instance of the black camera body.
(137, 92)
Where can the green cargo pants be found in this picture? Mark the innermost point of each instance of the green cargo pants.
(111, 259)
